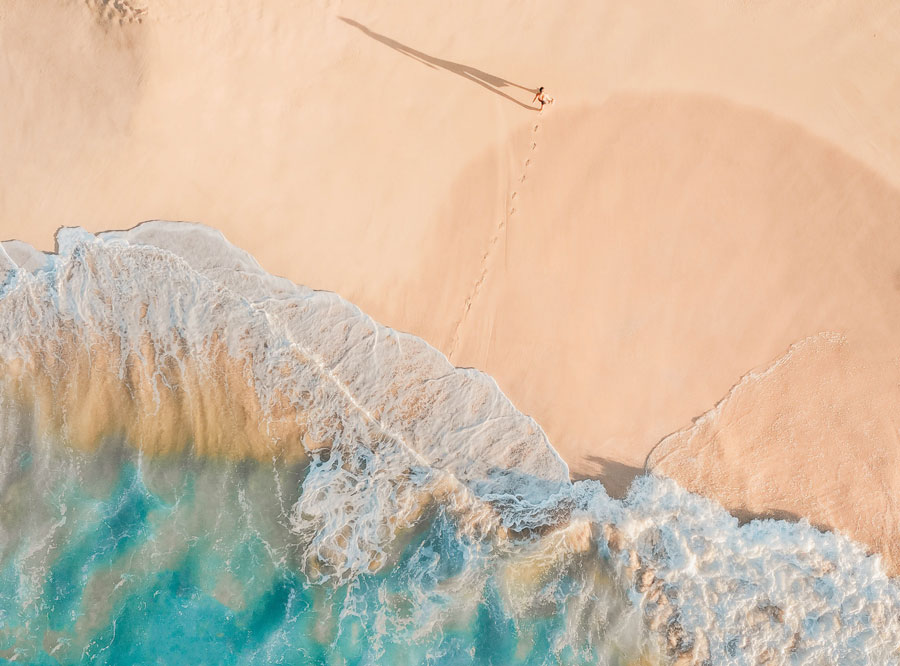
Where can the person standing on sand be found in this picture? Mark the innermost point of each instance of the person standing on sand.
(542, 97)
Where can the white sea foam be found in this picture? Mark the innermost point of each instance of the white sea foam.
(391, 427)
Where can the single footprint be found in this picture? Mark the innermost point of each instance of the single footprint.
(527, 162)
(512, 212)
(515, 194)
(536, 128)
(533, 145)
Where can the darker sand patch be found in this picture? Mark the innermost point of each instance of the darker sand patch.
(700, 238)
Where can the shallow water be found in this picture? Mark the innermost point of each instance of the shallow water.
(200, 463)
(192, 561)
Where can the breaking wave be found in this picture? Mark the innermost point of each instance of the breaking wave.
(204, 463)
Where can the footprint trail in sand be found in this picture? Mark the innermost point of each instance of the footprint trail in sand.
(489, 251)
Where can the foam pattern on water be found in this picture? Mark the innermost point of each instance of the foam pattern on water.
(202, 463)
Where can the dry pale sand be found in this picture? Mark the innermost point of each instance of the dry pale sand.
(716, 182)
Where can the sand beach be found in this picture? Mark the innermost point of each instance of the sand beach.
(689, 264)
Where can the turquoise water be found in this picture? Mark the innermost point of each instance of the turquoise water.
(123, 560)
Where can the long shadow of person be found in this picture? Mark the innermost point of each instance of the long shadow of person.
(485, 80)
